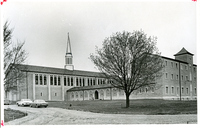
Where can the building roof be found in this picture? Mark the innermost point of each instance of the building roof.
(183, 51)
(41, 69)
(90, 87)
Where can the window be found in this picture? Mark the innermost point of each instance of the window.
(152, 89)
(68, 81)
(41, 94)
(65, 83)
(166, 75)
(98, 81)
(172, 90)
(172, 75)
(140, 90)
(91, 82)
(36, 79)
(166, 90)
(177, 77)
(176, 65)
(182, 90)
(166, 63)
(72, 95)
(45, 80)
(88, 82)
(114, 92)
(83, 82)
(58, 80)
(186, 67)
(80, 82)
(71, 81)
(187, 90)
(186, 77)
(107, 92)
(41, 80)
(195, 91)
(172, 64)
(182, 77)
(55, 80)
(55, 94)
(194, 69)
(181, 67)
(146, 90)
(86, 94)
(51, 80)
(94, 81)
(76, 81)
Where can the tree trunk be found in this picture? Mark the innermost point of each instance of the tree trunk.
(127, 101)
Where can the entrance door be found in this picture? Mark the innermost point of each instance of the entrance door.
(96, 95)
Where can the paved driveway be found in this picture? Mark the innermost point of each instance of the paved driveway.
(58, 116)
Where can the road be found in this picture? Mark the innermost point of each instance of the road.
(58, 116)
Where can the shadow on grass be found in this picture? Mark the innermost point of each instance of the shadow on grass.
(137, 107)
(10, 114)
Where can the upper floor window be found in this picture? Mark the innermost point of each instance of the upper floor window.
(166, 90)
(83, 82)
(172, 90)
(177, 77)
(51, 80)
(176, 65)
(186, 77)
(194, 69)
(172, 64)
(58, 80)
(165, 75)
(36, 79)
(45, 80)
(65, 83)
(68, 81)
(72, 81)
(165, 63)
(41, 80)
(55, 80)
(172, 76)
(186, 67)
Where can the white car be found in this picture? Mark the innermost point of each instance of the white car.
(24, 102)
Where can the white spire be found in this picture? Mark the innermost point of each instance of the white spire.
(68, 50)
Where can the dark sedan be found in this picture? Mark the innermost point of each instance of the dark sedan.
(39, 103)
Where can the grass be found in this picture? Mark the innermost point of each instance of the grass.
(141, 107)
(10, 114)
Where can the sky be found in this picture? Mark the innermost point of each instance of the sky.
(44, 26)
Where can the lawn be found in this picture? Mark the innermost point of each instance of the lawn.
(10, 114)
(141, 107)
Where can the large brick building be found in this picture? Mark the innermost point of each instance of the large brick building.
(179, 80)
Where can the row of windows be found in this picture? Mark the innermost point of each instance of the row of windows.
(41, 94)
(146, 89)
(68, 81)
(183, 90)
(176, 66)
(177, 77)
(101, 93)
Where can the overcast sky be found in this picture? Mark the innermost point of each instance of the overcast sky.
(44, 27)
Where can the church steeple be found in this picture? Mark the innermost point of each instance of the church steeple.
(68, 50)
(68, 57)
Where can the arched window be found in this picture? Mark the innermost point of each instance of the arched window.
(72, 95)
(114, 92)
(86, 94)
(76, 94)
(107, 92)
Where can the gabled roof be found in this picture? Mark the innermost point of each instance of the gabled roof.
(183, 51)
(90, 87)
(50, 70)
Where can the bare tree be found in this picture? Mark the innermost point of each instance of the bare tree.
(14, 54)
(131, 60)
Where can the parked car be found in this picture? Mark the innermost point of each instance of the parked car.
(24, 102)
(7, 102)
(39, 103)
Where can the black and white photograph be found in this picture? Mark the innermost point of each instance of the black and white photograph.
(113, 62)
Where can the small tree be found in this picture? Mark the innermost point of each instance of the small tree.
(14, 54)
(131, 60)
